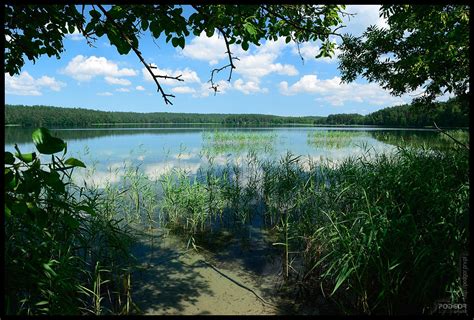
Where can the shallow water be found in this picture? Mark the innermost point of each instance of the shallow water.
(177, 280)
(209, 280)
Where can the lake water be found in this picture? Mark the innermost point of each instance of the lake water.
(159, 149)
(170, 282)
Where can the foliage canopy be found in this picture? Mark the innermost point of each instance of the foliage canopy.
(424, 45)
(124, 25)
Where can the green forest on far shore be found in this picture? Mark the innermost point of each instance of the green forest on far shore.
(452, 113)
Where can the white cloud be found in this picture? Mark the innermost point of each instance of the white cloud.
(183, 89)
(26, 85)
(255, 66)
(309, 50)
(118, 81)
(188, 75)
(365, 15)
(155, 171)
(248, 87)
(123, 90)
(336, 94)
(84, 68)
(205, 89)
(140, 88)
(210, 49)
(106, 93)
(76, 35)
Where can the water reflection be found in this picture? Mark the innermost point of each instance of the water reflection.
(155, 151)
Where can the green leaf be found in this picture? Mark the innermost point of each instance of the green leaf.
(210, 32)
(54, 181)
(10, 179)
(245, 45)
(115, 38)
(250, 28)
(145, 24)
(95, 14)
(288, 39)
(49, 270)
(175, 42)
(45, 143)
(181, 42)
(74, 162)
(26, 157)
(19, 207)
(87, 209)
(9, 159)
(8, 212)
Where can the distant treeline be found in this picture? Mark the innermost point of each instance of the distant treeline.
(34, 116)
(452, 113)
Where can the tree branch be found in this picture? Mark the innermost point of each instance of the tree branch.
(451, 137)
(139, 55)
(229, 53)
(231, 63)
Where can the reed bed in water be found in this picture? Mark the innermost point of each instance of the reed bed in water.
(218, 142)
(365, 233)
(335, 138)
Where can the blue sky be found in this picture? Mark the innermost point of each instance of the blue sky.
(268, 79)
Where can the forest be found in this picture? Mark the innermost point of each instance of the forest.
(452, 113)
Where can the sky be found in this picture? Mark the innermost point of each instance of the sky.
(268, 79)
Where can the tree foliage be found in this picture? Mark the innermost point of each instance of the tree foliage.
(124, 25)
(424, 46)
(452, 113)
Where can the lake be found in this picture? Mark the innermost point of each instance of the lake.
(238, 266)
(159, 149)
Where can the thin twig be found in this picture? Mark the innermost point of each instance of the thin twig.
(451, 137)
(229, 54)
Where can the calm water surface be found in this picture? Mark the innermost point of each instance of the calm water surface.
(248, 255)
(157, 150)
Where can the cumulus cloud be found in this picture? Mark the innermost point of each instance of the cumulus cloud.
(106, 93)
(335, 93)
(204, 48)
(25, 85)
(75, 36)
(183, 89)
(140, 88)
(84, 68)
(365, 15)
(204, 90)
(263, 62)
(248, 87)
(309, 50)
(118, 81)
(123, 90)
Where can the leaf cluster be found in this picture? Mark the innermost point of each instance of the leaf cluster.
(424, 46)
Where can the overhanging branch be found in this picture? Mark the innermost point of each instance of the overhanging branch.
(139, 55)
